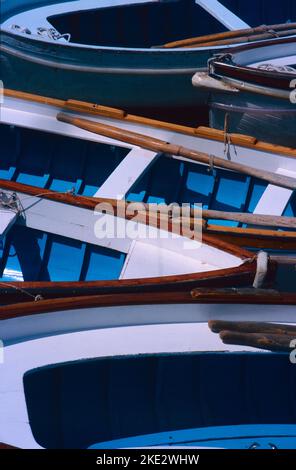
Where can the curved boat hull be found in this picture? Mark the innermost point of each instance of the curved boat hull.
(128, 78)
(119, 66)
(142, 365)
(269, 120)
(253, 91)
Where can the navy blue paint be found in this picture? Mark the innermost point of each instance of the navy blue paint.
(142, 25)
(56, 162)
(78, 404)
(256, 12)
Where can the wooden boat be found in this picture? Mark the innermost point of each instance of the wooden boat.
(90, 50)
(253, 91)
(165, 337)
(61, 244)
(115, 169)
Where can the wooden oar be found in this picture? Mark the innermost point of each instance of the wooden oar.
(175, 213)
(252, 327)
(251, 219)
(284, 259)
(267, 342)
(243, 39)
(242, 296)
(158, 145)
(227, 35)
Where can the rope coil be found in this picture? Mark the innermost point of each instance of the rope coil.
(48, 33)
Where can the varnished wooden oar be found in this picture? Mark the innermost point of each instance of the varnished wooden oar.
(267, 342)
(114, 113)
(243, 39)
(227, 35)
(158, 145)
(120, 207)
(174, 212)
(242, 295)
(252, 327)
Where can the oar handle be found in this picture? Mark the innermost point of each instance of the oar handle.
(210, 38)
(267, 342)
(251, 327)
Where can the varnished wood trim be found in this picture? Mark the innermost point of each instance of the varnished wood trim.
(7, 446)
(23, 291)
(263, 78)
(90, 203)
(224, 296)
(255, 238)
(212, 39)
(157, 145)
(202, 132)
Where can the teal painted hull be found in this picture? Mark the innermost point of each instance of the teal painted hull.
(111, 58)
(128, 79)
(267, 119)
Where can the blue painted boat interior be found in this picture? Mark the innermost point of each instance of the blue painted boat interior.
(56, 162)
(139, 26)
(254, 12)
(78, 404)
(171, 180)
(32, 255)
(151, 24)
(257, 12)
(64, 164)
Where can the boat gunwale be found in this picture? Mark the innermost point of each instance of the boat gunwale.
(90, 46)
(244, 272)
(199, 296)
(149, 50)
(24, 291)
(202, 132)
(227, 66)
(90, 203)
(40, 39)
(268, 79)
